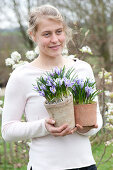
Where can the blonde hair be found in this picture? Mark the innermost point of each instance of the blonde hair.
(49, 12)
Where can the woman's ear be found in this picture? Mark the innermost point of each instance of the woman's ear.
(33, 36)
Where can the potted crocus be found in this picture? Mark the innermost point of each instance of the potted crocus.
(85, 108)
(54, 86)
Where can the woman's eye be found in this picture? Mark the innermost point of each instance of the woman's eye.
(46, 34)
(59, 31)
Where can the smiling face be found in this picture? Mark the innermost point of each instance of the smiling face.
(50, 38)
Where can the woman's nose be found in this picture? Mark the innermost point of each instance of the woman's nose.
(54, 38)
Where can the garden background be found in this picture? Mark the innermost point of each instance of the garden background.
(92, 24)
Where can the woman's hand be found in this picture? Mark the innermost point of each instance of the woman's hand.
(84, 129)
(57, 131)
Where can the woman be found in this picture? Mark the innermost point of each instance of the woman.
(52, 148)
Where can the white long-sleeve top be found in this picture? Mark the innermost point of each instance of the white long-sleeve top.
(46, 151)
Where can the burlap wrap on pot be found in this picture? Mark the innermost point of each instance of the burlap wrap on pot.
(85, 114)
(62, 112)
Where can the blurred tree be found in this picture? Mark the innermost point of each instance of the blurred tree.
(95, 15)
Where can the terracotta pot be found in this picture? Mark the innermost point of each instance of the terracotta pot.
(62, 112)
(85, 114)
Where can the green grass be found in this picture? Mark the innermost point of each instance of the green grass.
(13, 164)
(98, 151)
(9, 167)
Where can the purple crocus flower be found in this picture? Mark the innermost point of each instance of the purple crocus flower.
(74, 88)
(54, 83)
(51, 80)
(60, 82)
(90, 82)
(45, 78)
(42, 93)
(43, 87)
(53, 90)
(36, 88)
(80, 82)
(57, 70)
(75, 80)
(52, 74)
(49, 83)
(67, 82)
(72, 83)
(88, 90)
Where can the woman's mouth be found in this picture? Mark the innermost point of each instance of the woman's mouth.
(55, 47)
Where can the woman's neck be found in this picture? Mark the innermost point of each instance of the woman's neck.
(49, 63)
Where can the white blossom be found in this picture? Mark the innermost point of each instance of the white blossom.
(65, 51)
(110, 105)
(107, 143)
(109, 112)
(19, 64)
(9, 62)
(110, 118)
(108, 80)
(109, 126)
(36, 50)
(1, 102)
(23, 62)
(111, 95)
(16, 56)
(29, 144)
(86, 49)
(107, 75)
(30, 55)
(15, 66)
(107, 93)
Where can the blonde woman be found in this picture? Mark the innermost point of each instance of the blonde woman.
(51, 148)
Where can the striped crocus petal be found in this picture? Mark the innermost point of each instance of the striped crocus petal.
(43, 87)
(54, 83)
(57, 70)
(88, 90)
(74, 88)
(36, 88)
(71, 84)
(42, 93)
(60, 82)
(49, 83)
(67, 82)
(50, 79)
(82, 84)
(45, 78)
(53, 89)
(52, 74)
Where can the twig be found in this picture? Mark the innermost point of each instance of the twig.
(101, 157)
